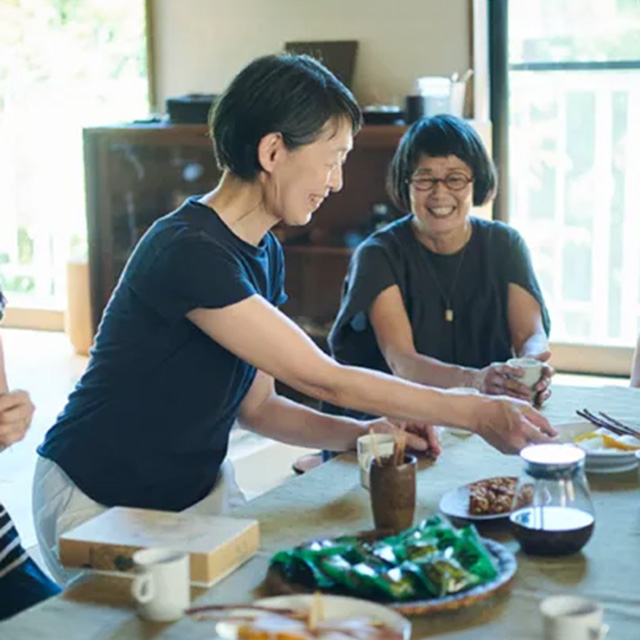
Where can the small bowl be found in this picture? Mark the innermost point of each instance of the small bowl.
(600, 461)
(567, 431)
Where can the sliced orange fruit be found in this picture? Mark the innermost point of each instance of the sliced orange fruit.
(611, 443)
(586, 436)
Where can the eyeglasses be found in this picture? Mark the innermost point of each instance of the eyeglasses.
(453, 182)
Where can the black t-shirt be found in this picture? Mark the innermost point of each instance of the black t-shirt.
(476, 279)
(148, 423)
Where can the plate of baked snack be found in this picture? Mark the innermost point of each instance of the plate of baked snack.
(306, 617)
(430, 567)
(487, 499)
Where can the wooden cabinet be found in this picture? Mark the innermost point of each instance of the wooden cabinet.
(135, 174)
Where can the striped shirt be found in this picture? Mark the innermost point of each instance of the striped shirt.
(12, 554)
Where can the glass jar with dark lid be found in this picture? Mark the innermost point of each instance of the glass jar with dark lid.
(552, 513)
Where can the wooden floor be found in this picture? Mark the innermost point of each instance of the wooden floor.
(45, 364)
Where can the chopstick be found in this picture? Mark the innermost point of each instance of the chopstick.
(587, 415)
(608, 423)
(630, 430)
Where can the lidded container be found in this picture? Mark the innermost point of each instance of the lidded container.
(552, 512)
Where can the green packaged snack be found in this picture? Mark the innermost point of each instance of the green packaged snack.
(430, 560)
(300, 570)
(401, 584)
(387, 553)
(340, 571)
(392, 585)
(473, 555)
(425, 588)
(325, 547)
(421, 548)
(444, 575)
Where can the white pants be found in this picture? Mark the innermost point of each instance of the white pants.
(59, 506)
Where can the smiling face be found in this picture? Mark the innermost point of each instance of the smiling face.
(302, 178)
(441, 213)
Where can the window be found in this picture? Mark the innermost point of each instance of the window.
(64, 64)
(573, 75)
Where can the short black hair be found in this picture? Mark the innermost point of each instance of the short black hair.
(294, 95)
(437, 137)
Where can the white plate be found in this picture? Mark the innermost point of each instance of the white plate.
(456, 505)
(606, 458)
(617, 469)
(335, 607)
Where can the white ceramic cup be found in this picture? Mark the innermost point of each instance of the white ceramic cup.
(161, 587)
(384, 442)
(531, 367)
(572, 618)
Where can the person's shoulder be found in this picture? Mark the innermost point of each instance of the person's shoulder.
(495, 231)
(179, 237)
(389, 237)
(190, 227)
(189, 218)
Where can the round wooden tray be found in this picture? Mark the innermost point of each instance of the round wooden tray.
(505, 562)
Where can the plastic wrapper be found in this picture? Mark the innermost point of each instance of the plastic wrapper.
(430, 560)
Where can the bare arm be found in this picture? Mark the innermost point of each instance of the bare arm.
(16, 410)
(394, 334)
(525, 324)
(4, 385)
(635, 367)
(265, 412)
(271, 415)
(527, 331)
(261, 335)
(392, 328)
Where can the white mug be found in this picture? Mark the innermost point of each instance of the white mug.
(531, 367)
(384, 446)
(572, 618)
(161, 587)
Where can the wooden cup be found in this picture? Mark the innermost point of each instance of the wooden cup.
(393, 493)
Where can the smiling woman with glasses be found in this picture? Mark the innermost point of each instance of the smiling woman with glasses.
(440, 297)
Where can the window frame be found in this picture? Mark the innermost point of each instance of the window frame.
(491, 93)
(52, 319)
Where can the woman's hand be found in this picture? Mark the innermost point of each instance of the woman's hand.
(496, 380)
(541, 392)
(501, 379)
(510, 425)
(16, 411)
(420, 437)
